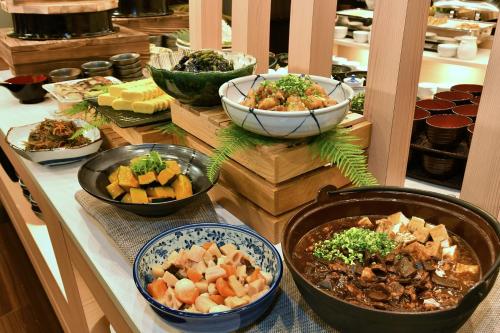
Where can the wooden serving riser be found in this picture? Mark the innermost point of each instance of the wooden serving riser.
(276, 163)
(30, 57)
(155, 25)
(48, 7)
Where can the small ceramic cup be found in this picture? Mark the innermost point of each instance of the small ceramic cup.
(360, 36)
(340, 32)
(446, 130)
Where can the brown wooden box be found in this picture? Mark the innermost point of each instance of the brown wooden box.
(29, 57)
(277, 163)
(155, 25)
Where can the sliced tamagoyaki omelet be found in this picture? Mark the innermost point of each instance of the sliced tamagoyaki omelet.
(116, 89)
(151, 106)
(105, 99)
(122, 104)
(142, 93)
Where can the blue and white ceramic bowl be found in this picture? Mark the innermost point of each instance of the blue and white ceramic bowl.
(17, 136)
(157, 249)
(285, 125)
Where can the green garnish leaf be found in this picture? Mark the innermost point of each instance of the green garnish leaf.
(351, 245)
(147, 163)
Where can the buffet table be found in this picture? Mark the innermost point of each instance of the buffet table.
(92, 253)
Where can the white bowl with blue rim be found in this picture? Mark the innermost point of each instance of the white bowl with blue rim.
(290, 124)
(157, 249)
(17, 137)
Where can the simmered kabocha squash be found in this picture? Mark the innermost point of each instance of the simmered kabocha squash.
(139, 196)
(166, 175)
(126, 178)
(161, 192)
(114, 190)
(174, 166)
(127, 198)
(182, 187)
(147, 178)
(113, 177)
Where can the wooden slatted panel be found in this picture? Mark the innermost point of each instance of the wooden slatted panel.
(251, 28)
(481, 184)
(205, 30)
(396, 48)
(311, 36)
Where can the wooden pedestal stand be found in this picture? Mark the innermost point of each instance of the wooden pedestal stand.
(155, 25)
(266, 186)
(29, 57)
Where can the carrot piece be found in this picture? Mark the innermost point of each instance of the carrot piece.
(230, 270)
(218, 299)
(206, 245)
(157, 288)
(190, 297)
(194, 275)
(223, 288)
(254, 276)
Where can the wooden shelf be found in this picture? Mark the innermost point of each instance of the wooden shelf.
(481, 61)
(56, 7)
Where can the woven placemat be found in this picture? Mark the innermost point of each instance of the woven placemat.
(290, 313)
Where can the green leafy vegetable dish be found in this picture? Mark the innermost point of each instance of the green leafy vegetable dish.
(204, 61)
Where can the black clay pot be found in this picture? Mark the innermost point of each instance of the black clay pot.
(478, 228)
(62, 26)
(141, 8)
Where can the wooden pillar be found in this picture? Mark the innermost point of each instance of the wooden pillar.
(481, 185)
(251, 29)
(205, 29)
(312, 23)
(397, 42)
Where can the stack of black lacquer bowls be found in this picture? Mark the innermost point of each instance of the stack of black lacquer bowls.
(442, 130)
(127, 66)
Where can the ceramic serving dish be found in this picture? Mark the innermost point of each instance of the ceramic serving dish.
(288, 125)
(201, 89)
(124, 59)
(51, 89)
(96, 66)
(478, 228)
(93, 175)
(447, 50)
(64, 74)
(17, 136)
(265, 254)
(446, 130)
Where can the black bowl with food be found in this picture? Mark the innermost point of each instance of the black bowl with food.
(196, 79)
(147, 179)
(425, 288)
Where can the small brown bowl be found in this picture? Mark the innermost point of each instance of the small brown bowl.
(438, 165)
(435, 106)
(419, 118)
(446, 130)
(468, 110)
(457, 97)
(470, 133)
(474, 89)
(476, 100)
(65, 74)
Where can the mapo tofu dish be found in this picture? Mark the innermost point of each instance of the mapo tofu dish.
(289, 93)
(390, 263)
(149, 179)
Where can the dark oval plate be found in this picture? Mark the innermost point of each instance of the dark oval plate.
(93, 175)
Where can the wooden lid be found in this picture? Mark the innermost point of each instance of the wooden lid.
(48, 7)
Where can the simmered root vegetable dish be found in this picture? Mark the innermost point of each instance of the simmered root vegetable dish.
(390, 263)
(207, 279)
(149, 179)
(290, 93)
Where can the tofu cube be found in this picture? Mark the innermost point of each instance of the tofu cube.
(439, 233)
(433, 249)
(422, 234)
(450, 253)
(384, 225)
(466, 269)
(398, 217)
(365, 223)
(415, 224)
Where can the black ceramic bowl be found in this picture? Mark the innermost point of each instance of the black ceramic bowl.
(444, 130)
(202, 88)
(435, 106)
(339, 72)
(92, 176)
(457, 97)
(27, 88)
(478, 228)
(474, 89)
(439, 166)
